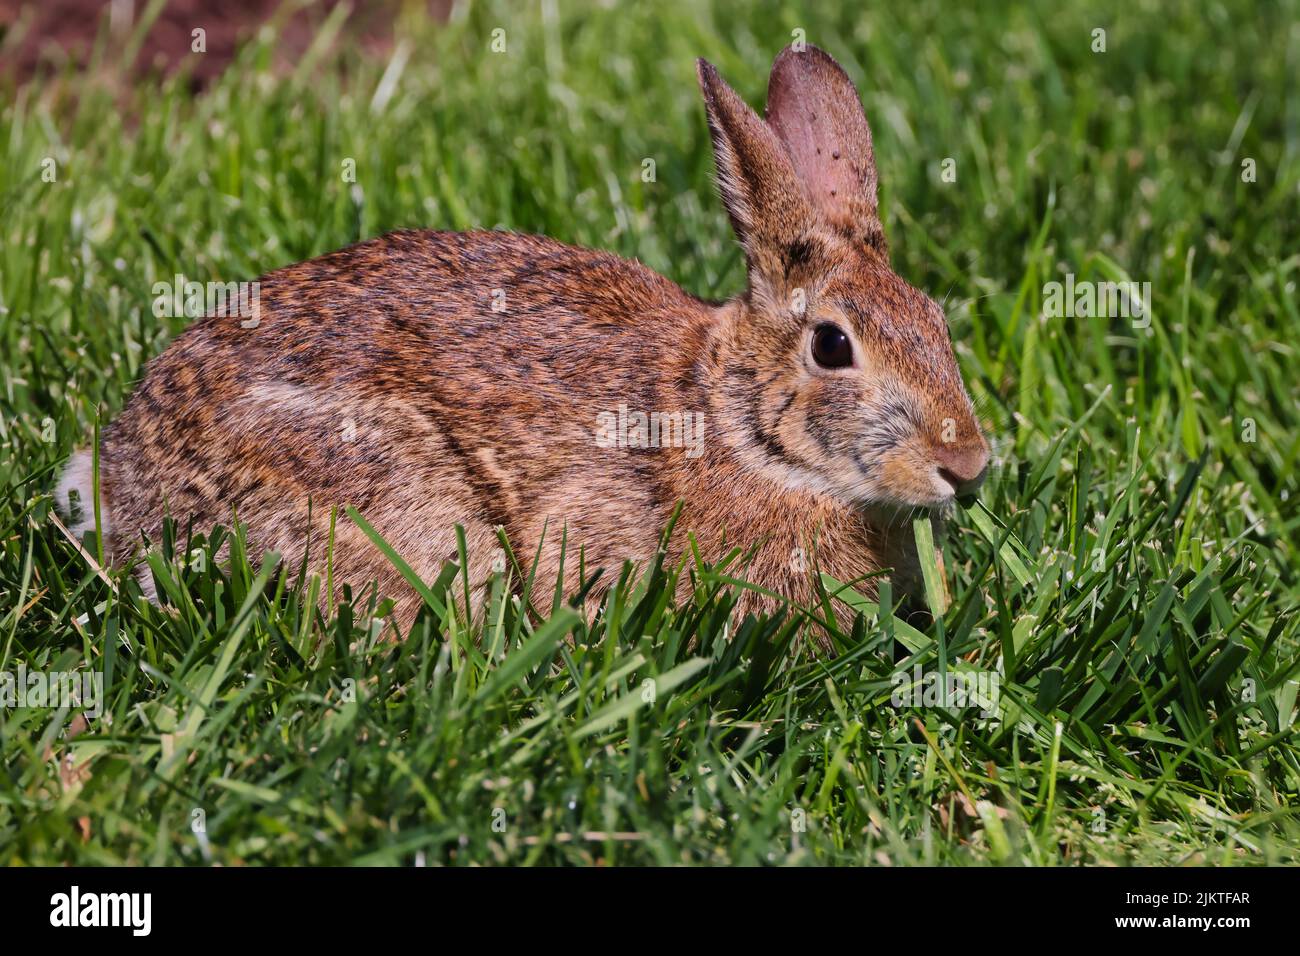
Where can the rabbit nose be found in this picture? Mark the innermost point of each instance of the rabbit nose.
(963, 467)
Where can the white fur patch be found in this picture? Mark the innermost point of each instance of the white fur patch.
(73, 496)
(144, 577)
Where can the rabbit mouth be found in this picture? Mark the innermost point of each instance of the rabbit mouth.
(895, 488)
(901, 475)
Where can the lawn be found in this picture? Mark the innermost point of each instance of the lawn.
(1128, 573)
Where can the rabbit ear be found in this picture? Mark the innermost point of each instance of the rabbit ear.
(759, 187)
(814, 109)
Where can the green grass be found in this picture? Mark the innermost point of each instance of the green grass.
(1130, 570)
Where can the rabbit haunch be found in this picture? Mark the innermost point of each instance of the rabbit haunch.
(432, 379)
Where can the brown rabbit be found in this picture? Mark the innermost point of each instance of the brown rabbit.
(491, 379)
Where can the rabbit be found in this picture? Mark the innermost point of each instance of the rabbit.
(499, 380)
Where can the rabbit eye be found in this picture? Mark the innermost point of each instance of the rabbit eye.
(831, 347)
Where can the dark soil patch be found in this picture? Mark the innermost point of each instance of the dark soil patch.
(37, 39)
